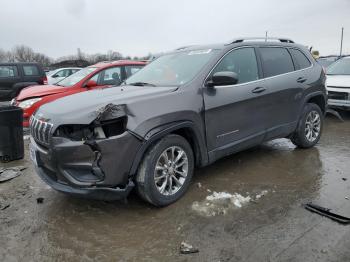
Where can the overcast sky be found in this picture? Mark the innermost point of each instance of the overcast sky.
(59, 27)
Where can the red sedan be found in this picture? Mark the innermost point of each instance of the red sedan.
(101, 75)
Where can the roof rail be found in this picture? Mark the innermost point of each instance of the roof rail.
(283, 40)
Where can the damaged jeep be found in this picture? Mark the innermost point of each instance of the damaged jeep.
(184, 110)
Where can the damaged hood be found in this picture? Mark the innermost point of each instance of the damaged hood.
(40, 90)
(83, 108)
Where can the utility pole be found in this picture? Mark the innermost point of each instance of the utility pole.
(341, 41)
(265, 36)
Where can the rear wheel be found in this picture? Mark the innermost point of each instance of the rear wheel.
(166, 171)
(309, 128)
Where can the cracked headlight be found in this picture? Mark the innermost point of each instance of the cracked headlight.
(28, 103)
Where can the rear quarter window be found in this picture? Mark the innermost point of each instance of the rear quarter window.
(30, 70)
(301, 60)
(276, 61)
(8, 71)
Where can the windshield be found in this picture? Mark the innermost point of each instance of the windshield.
(76, 77)
(341, 67)
(172, 69)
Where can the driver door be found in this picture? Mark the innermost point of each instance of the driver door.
(108, 77)
(234, 114)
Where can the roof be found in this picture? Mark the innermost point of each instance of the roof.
(242, 41)
(118, 62)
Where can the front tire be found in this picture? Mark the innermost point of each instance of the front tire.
(166, 171)
(309, 128)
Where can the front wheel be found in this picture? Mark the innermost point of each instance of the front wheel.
(309, 128)
(166, 171)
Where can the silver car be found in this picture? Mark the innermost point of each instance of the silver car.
(338, 84)
(57, 75)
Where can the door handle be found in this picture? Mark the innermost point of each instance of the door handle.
(301, 79)
(258, 90)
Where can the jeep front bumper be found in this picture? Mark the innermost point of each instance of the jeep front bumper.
(70, 166)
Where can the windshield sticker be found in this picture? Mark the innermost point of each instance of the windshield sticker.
(200, 52)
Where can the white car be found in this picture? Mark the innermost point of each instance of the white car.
(338, 84)
(57, 75)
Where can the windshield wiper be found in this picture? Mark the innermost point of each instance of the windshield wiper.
(141, 84)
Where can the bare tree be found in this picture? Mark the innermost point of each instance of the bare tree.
(23, 53)
(3, 56)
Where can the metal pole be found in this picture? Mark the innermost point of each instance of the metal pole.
(341, 41)
(265, 36)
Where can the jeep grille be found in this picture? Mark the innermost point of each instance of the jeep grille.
(40, 130)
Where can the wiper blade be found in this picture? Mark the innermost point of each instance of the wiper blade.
(141, 84)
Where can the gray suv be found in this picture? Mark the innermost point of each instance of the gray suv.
(186, 109)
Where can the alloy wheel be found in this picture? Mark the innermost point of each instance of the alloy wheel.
(171, 170)
(312, 126)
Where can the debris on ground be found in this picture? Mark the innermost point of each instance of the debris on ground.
(199, 185)
(186, 248)
(4, 206)
(40, 200)
(344, 178)
(335, 113)
(10, 173)
(326, 212)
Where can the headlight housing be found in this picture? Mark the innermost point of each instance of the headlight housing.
(28, 103)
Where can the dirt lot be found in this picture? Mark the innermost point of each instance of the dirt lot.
(272, 226)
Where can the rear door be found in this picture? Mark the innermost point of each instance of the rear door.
(9, 75)
(234, 114)
(32, 73)
(283, 94)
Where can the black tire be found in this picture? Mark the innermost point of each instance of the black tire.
(299, 137)
(145, 180)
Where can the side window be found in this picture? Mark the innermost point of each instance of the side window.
(111, 76)
(276, 61)
(130, 70)
(30, 70)
(300, 58)
(60, 73)
(8, 71)
(241, 61)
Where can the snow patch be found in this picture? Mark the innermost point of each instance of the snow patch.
(263, 193)
(218, 203)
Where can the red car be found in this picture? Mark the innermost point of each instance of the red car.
(101, 75)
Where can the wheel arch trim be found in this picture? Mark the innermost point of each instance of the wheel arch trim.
(163, 130)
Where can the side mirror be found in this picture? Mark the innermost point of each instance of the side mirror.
(54, 76)
(90, 83)
(225, 78)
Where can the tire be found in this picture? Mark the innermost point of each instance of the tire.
(301, 137)
(150, 182)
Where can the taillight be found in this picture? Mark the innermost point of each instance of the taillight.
(44, 80)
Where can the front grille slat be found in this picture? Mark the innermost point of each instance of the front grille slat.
(40, 130)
